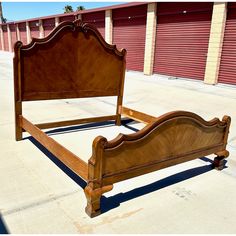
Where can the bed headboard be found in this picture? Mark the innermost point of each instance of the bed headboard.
(73, 61)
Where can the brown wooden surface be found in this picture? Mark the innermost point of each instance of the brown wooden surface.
(136, 115)
(71, 62)
(75, 122)
(17, 96)
(94, 188)
(68, 158)
(173, 138)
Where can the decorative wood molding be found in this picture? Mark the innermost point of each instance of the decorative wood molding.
(163, 119)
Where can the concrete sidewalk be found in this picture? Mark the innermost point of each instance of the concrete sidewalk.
(38, 195)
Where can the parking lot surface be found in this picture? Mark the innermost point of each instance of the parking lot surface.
(38, 195)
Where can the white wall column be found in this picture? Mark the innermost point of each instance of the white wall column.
(150, 39)
(79, 17)
(9, 38)
(17, 32)
(215, 42)
(2, 38)
(41, 29)
(28, 32)
(57, 21)
(108, 26)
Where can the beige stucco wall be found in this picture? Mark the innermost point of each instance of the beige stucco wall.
(108, 26)
(150, 39)
(17, 32)
(2, 38)
(215, 42)
(28, 32)
(57, 21)
(41, 29)
(9, 38)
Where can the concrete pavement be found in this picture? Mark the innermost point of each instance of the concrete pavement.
(38, 195)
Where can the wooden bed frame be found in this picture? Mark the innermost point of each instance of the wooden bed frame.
(74, 61)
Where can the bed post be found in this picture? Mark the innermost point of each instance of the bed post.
(219, 163)
(118, 110)
(17, 92)
(121, 92)
(94, 189)
(18, 113)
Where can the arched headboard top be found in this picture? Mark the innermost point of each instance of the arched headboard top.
(73, 61)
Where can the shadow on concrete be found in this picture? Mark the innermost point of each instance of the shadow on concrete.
(90, 126)
(54, 159)
(3, 227)
(108, 203)
(57, 162)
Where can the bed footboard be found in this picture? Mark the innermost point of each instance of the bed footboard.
(173, 138)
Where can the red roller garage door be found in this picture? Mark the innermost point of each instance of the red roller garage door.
(129, 30)
(4, 28)
(13, 34)
(182, 37)
(97, 19)
(34, 29)
(1, 43)
(48, 26)
(23, 35)
(227, 73)
(67, 18)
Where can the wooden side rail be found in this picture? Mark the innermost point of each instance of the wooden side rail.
(136, 115)
(64, 155)
(75, 122)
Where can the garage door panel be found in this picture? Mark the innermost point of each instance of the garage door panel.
(67, 18)
(5, 36)
(227, 72)
(22, 30)
(182, 38)
(129, 30)
(48, 26)
(97, 19)
(34, 29)
(132, 38)
(13, 35)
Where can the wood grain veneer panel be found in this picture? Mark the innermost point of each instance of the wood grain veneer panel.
(72, 62)
(167, 139)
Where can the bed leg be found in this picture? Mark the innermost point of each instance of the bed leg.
(18, 132)
(118, 120)
(93, 199)
(18, 128)
(218, 163)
